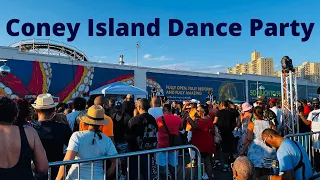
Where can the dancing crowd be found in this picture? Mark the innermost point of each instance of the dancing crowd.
(240, 138)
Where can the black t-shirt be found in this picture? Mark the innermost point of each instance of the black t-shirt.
(137, 127)
(53, 136)
(176, 111)
(128, 107)
(226, 120)
(303, 128)
(120, 127)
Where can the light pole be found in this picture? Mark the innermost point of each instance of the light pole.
(262, 88)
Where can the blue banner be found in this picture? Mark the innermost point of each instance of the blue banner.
(270, 89)
(183, 87)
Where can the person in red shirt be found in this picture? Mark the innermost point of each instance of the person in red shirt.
(174, 124)
(306, 108)
(202, 136)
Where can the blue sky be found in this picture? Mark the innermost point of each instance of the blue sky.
(206, 54)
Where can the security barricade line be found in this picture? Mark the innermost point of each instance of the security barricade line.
(310, 141)
(139, 155)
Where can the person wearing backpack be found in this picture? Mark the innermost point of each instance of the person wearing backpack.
(142, 135)
(293, 159)
(314, 121)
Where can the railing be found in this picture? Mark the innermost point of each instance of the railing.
(310, 141)
(139, 155)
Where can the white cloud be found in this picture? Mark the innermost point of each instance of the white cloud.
(147, 56)
(216, 66)
(99, 57)
(160, 58)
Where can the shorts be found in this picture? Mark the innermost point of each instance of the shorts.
(172, 158)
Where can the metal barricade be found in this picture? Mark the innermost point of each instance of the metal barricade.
(139, 155)
(310, 141)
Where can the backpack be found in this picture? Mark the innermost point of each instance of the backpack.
(148, 140)
(301, 163)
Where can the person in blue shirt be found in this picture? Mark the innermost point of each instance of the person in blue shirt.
(293, 159)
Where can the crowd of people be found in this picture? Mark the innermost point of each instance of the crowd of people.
(237, 137)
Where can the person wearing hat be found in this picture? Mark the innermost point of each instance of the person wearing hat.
(246, 114)
(314, 120)
(273, 107)
(91, 143)
(53, 135)
(306, 108)
(267, 113)
(105, 129)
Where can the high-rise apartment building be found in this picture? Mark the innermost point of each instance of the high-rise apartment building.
(257, 65)
(308, 71)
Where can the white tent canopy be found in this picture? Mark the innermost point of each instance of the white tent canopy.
(118, 88)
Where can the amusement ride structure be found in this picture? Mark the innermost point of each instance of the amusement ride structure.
(50, 47)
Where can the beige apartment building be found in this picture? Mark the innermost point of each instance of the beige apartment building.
(257, 65)
(308, 71)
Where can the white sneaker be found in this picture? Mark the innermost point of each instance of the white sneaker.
(205, 176)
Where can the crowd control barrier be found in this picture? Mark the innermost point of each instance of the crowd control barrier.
(310, 141)
(180, 171)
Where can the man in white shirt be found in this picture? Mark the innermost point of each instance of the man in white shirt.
(276, 110)
(314, 118)
(156, 109)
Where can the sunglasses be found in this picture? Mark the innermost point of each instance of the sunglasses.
(265, 139)
(260, 103)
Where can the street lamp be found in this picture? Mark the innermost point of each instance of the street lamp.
(262, 89)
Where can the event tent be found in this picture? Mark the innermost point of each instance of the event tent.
(118, 88)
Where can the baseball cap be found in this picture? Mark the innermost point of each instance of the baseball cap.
(261, 98)
(315, 101)
(194, 101)
(117, 105)
(272, 100)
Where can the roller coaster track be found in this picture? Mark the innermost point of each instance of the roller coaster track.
(50, 47)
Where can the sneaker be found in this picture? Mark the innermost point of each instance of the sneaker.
(205, 176)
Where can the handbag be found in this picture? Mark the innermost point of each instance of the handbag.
(174, 140)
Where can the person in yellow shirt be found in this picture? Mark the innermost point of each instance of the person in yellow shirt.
(192, 113)
(193, 110)
(105, 129)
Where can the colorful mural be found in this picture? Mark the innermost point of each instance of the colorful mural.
(182, 87)
(61, 80)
